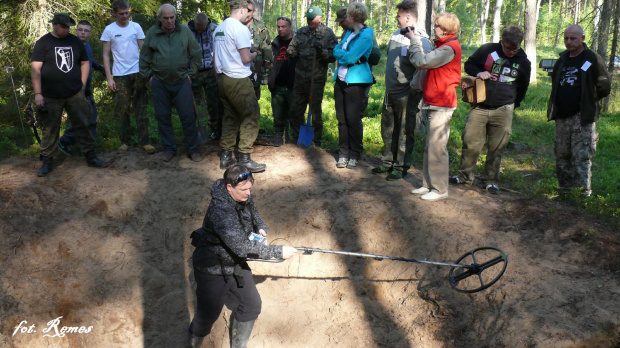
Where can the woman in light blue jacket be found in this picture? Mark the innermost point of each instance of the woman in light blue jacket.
(351, 79)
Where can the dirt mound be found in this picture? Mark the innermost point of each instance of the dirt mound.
(109, 252)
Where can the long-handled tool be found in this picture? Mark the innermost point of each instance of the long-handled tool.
(202, 131)
(488, 264)
(306, 132)
(9, 70)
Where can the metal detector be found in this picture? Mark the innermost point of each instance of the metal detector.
(487, 264)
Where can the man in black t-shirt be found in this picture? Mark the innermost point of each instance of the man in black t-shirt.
(60, 70)
(579, 81)
(281, 80)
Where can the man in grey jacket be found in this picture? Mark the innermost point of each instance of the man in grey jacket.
(400, 104)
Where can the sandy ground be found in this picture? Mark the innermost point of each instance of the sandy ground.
(108, 253)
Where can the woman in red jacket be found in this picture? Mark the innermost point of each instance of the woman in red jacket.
(443, 74)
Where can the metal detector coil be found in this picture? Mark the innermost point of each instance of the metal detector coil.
(488, 264)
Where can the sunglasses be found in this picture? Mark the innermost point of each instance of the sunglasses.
(284, 18)
(242, 177)
(437, 26)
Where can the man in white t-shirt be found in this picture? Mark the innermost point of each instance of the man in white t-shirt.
(233, 55)
(124, 39)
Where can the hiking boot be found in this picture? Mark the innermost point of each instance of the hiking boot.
(65, 148)
(352, 164)
(46, 167)
(195, 156)
(420, 191)
(215, 136)
(394, 176)
(168, 156)
(277, 139)
(93, 161)
(148, 148)
(122, 148)
(456, 180)
(342, 162)
(434, 196)
(226, 159)
(245, 160)
(493, 188)
(380, 170)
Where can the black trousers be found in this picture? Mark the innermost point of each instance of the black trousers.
(213, 291)
(349, 102)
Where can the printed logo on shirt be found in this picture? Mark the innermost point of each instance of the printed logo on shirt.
(504, 74)
(570, 75)
(282, 54)
(118, 35)
(64, 58)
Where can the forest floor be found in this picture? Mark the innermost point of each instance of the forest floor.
(108, 250)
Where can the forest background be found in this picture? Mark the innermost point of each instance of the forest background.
(529, 164)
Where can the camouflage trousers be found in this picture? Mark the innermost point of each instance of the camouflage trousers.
(79, 113)
(398, 122)
(206, 80)
(241, 113)
(301, 98)
(575, 145)
(281, 107)
(130, 96)
(494, 124)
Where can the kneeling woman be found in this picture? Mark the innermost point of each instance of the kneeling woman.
(352, 78)
(222, 246)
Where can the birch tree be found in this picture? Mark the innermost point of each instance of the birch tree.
(497, 16)
(530, 33)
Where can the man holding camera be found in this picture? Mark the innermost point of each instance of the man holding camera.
(314, 42)
(400, 104)
(506, 71)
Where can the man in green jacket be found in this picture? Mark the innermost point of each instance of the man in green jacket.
(169, 56)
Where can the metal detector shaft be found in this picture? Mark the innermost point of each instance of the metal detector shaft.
(307, 250)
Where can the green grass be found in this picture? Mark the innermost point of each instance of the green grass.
(528, 165)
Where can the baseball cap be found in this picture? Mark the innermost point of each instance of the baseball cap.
(236, 4)
(313, 11)
(341, 14)
(63, 18)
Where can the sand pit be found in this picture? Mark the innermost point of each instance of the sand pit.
(109, 252)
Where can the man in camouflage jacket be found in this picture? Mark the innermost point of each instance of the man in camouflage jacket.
(313, 39)
(261, 43)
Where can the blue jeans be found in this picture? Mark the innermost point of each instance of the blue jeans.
(179, 95)
(69, 138)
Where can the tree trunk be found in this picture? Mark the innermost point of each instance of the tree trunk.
(530, 33)
(484, 15)
(521, 13)
(603, 29)
(294, 14)
(550, 8)
(41, 14)
(538, 10)
(441, 6)
(557, 34)
(577, 11)
(598, 6)
(328, 11)
(614, 50)
(259, 10)
(471, 36)
(497, 16)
